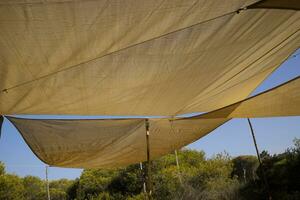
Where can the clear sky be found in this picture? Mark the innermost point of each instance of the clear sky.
(272, 134)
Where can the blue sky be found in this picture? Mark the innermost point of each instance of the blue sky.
(272, 134)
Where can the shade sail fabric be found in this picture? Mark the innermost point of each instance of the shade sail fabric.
(107, 143)
(283, 100)
(141, 57)
(277, 4)
(93, 143)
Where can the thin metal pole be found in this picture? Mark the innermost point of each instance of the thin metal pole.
(143, 180)
(178, 168)
(148, 179)
(47, 183)
(259, 160)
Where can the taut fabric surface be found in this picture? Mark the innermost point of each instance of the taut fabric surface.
(277, 4)
(107, 143)
(117, 142)
(283, 100)
(137, 57)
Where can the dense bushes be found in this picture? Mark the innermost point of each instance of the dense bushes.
(282, 173)
(13, 187)
(219, 177)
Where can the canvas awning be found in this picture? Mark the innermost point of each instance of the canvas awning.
(92, 143)
(107, 143)
(139, 57)
(283, 100)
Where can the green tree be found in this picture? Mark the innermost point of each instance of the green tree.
(282, 173)
(73, 189)
(57, 194)
(59, 189)
(128, 181)
(244, 168)
(103, 196)
(94, 181)
(11, 187)
(2, 168)
(34, 188)
(212, 179)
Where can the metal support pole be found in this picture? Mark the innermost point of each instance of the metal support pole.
(47, 184)
(143, 180)
(148, 173)
(259, 160)
(178, 168)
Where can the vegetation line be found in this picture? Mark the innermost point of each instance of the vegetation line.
(219, 177)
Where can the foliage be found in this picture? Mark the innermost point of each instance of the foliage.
(197, 177)
(2, 168)
(11, 187)
(93, 182)
(34, 188)
(244, 168)
(282, 174)
(59, 189)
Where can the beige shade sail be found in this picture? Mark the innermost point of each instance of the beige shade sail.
(283, 100)
(94, 143)
(137, 57)
(277, 4)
